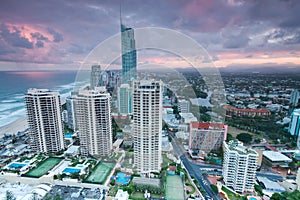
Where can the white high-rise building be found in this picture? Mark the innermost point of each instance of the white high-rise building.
(239, 166)
(125, 99)
(46, 131)
(298, 179)
(95, 76)
(184, 106)
(93, 118)
(147, 125)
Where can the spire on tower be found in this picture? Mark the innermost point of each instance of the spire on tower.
(123, 27)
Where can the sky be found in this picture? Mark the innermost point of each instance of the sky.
(59, 34)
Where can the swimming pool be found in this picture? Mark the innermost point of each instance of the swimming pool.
(122, 178)
(68, 135)
(16, 165)
(71, 170)
(253, 198)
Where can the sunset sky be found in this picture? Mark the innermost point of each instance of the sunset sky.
(59, 34)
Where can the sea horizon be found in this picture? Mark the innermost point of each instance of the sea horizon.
(14, 85)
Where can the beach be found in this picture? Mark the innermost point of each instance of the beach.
(17, 126)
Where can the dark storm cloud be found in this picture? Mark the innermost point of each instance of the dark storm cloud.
(39, 44)
(57, 36)
(14, 38)
(39, 36)
(284, 13)
(77, 26)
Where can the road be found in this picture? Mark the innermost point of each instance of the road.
(196, 170)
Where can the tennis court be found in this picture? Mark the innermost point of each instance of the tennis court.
(100, 173)
(174, 188)
(43, 167)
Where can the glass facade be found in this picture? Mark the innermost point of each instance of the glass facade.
(128, 54)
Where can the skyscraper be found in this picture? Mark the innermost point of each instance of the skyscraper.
(205, 136)
(93, 117)
(294, 97)
(125, 99)
(147, 125)
(239, 166)
(95, 76)
(71, 105)
(128, 54)
(46, 131)
(184, 106)
(294, 127)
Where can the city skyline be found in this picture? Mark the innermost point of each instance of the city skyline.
(235, 33)
(165, 131)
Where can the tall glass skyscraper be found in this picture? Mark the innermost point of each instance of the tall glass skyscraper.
(128, 54)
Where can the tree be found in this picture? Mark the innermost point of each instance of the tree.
(244, 137)
(10, 195)
(277, 196)
(113, 182)
(292, 195)
(257, 140)
(258, 189)
(229, 137)
(57, 197)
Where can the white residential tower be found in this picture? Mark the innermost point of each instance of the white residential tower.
(239, 166)
(147, 125)
(93, 118)
(46, 131)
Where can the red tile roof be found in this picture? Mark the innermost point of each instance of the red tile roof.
(206, 125)
(246, 109)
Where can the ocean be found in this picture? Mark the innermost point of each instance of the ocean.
(14, 84)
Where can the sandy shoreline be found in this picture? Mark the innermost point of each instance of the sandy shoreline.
(14, 127)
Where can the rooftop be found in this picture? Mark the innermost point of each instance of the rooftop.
(207, 125)
(235, 145)
(72, 149)
(276, 156)
(296, 112)
(247, 109)
(187, 115)
(270, 185)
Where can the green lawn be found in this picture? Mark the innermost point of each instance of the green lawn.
(174, 188)
(166, 161)
(44, 167)
(100, 173)
(233, 196)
